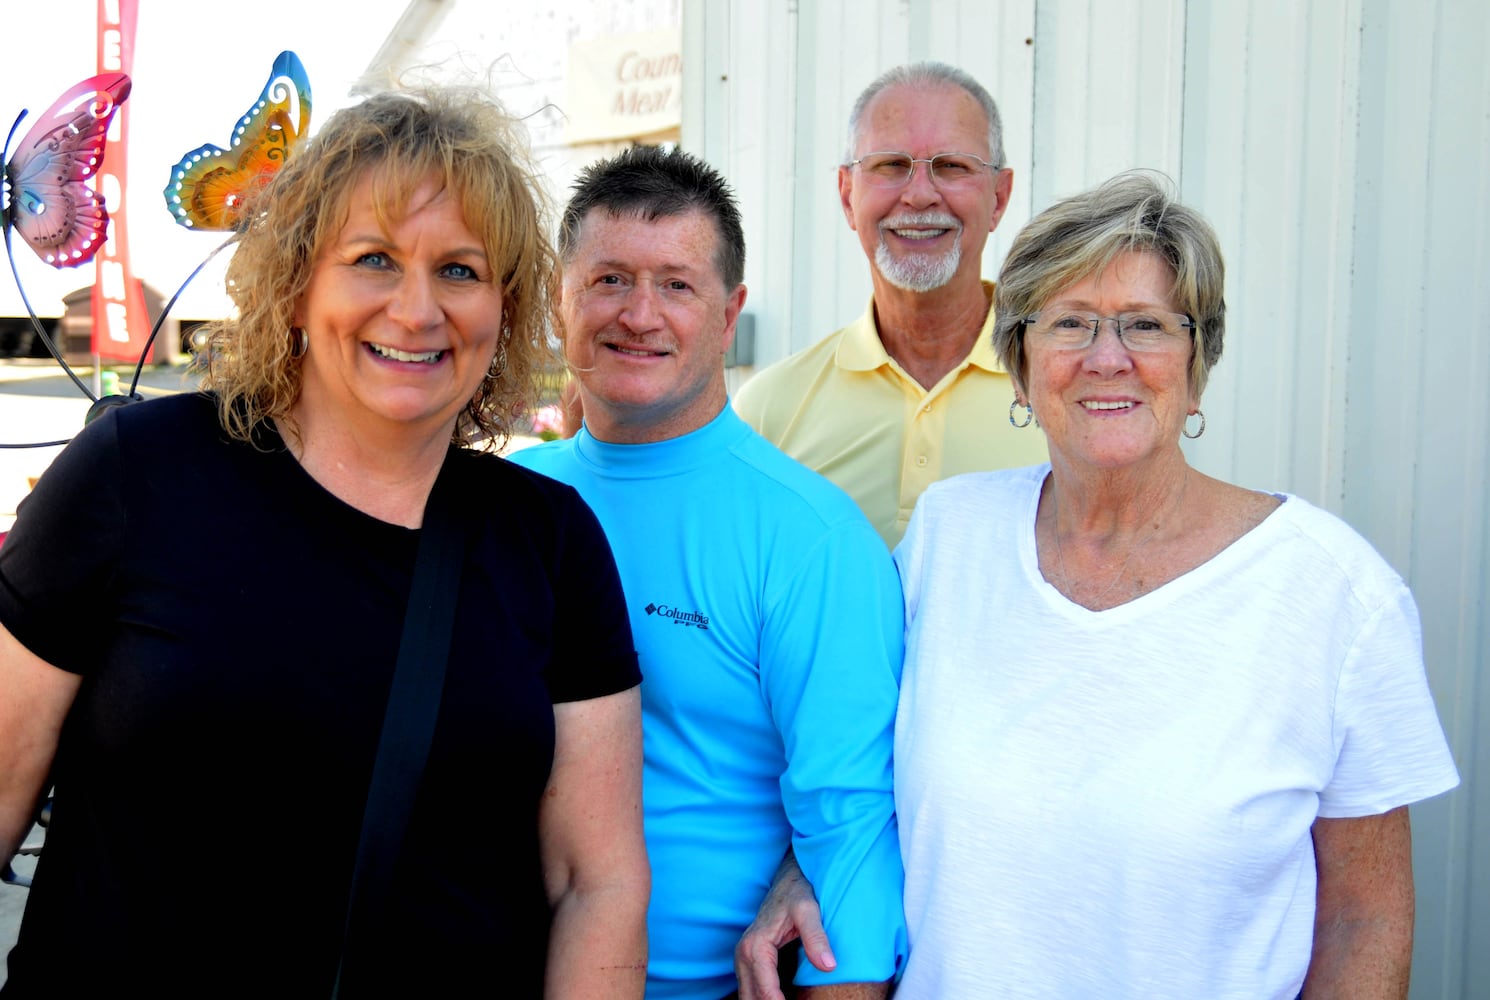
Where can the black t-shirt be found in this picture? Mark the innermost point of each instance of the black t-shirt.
(236, 628)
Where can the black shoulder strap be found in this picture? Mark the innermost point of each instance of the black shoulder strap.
(409, 722)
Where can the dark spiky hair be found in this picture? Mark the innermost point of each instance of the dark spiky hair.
(650, 182)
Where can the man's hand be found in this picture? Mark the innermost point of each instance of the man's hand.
(788, 912)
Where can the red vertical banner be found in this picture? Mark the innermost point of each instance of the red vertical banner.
(120, 324)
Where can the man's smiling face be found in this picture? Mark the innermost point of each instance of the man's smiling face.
(647, 320)
(921, 236)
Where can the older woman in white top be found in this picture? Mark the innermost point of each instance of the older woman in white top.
(1157, 732)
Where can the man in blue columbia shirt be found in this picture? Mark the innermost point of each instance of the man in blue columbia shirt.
(766, 610)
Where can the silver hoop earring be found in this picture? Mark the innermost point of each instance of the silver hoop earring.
(1198, 431)
(299, 342)
(1029, 415)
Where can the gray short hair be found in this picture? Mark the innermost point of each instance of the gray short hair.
(930, 74)
(1079, 236)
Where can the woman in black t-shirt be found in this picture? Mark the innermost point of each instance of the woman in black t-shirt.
(201, 606)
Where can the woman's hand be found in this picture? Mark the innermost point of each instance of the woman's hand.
(1364, 908)
(594, 856)
(788, 912)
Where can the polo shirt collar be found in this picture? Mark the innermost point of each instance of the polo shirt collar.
(860, 348)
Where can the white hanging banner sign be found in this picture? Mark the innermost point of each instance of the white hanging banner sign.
(623, 86)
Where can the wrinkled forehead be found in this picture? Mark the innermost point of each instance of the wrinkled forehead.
(923, 118)
(1136, 276)
(601, 223)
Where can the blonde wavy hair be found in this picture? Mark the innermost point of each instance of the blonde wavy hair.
(458, 135)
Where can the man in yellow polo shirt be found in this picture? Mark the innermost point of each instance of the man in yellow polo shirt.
(910, 392)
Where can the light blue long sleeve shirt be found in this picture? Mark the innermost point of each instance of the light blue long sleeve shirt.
(768, 619)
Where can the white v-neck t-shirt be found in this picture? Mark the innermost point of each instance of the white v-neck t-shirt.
(1118, 803)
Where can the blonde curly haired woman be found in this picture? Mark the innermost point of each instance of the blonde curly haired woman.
(201, 608)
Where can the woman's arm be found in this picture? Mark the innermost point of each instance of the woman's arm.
(594, 856)
(34, 699)
(1364, 909)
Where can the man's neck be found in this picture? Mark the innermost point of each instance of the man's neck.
(930, 333)
(639, 425)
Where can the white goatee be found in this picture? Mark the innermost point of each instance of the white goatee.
(919, 272)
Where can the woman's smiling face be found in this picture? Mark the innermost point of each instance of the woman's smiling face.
(403, 316)
(1105, 406)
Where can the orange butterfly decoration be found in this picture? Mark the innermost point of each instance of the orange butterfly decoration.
(209, 185)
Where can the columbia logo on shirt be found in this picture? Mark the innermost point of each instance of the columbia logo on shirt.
(679, 616)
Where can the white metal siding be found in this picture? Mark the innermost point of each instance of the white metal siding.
(1123, 69)
(1269, 135)
(1342, 150)
(1418, 429)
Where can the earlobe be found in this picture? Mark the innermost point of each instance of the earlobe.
(732, 307)
(1003, 187)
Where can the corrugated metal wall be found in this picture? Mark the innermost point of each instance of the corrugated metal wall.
(1342, 150)
(1417, 438)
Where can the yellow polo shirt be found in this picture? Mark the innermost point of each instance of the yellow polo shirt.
(845, 408)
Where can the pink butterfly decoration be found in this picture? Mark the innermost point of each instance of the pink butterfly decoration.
(59, 216)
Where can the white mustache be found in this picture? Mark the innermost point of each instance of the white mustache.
(921, 220)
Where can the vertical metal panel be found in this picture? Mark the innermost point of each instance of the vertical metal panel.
(1269, 138)
(1418, 427)
(1107, 93)
(823, 243)
(740, 114)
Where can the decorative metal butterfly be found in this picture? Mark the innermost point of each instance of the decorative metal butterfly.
(209, 185)
(58, 215)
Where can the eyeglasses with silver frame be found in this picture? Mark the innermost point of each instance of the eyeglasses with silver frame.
(889, 169)
(1139, 330)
